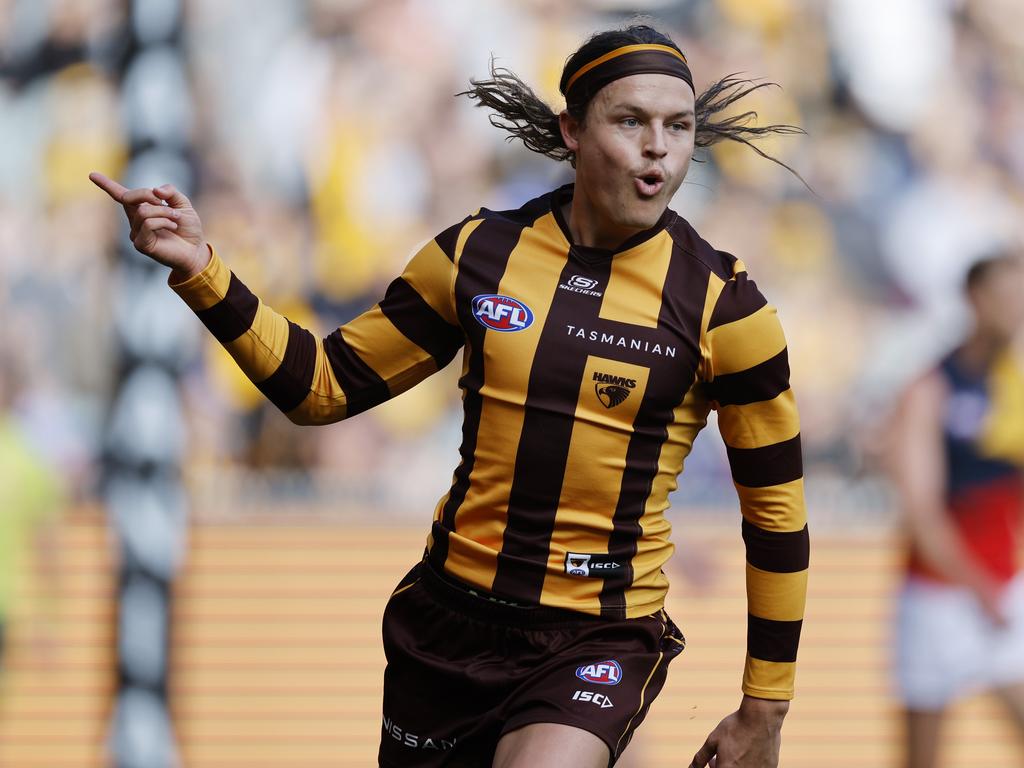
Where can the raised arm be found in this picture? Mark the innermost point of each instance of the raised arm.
(410, 334)
(747, 374)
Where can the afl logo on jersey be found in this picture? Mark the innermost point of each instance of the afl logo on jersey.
(501, 313)
(603, 672)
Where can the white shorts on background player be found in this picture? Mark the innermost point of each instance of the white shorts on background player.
(947, 647)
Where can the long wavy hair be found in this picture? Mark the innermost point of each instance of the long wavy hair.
(526, 117)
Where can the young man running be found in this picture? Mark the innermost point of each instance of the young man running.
(598, 330)
(958, 466)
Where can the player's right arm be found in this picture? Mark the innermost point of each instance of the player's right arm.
(412, 333)
(746, 373)
(917, 465)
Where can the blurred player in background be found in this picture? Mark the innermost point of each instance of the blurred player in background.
(599, 331)
(30, 498)
(957, 458)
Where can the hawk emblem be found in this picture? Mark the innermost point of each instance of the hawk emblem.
(611, 395)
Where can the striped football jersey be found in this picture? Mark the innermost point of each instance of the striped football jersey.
(586, 375)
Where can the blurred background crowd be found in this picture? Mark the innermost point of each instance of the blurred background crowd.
(326, 143)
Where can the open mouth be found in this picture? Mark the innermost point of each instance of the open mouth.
(649, 184)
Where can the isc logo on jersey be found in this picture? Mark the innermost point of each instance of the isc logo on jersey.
(603, 672)
(501, 313)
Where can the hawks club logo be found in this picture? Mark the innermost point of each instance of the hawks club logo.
(603, 672)
(501, 313)
(612, 390)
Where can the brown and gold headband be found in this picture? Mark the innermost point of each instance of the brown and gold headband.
(622, 62)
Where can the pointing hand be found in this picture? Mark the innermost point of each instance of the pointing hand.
(164, 225)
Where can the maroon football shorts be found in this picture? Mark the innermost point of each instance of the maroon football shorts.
(463, 669)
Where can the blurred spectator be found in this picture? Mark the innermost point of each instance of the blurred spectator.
(30, 499)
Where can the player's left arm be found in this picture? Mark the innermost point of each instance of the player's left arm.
(747, 375)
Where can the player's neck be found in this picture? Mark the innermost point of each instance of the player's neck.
(588, 228)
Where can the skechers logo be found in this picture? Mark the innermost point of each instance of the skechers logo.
(577, 564)
(580, 284)
(501, 313)
(606, 672)
(612, 390)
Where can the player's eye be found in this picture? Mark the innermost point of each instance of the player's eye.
(630, 122)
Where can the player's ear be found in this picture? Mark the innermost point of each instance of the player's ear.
(570, 128)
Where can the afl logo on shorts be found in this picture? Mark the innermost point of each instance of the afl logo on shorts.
(603, 672)
(501, 313)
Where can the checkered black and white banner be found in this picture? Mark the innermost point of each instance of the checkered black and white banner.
(146, 438)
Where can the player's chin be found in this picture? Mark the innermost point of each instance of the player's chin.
(643, 214)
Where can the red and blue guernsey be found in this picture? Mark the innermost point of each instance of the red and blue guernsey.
(983, 432)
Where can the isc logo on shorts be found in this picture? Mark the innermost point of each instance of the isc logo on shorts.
(604, 702)
(603, 672)
(501, 313)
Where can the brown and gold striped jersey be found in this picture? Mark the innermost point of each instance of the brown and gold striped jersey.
(586, 375)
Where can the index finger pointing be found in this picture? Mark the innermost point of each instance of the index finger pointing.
(140, 195)
(111, 187)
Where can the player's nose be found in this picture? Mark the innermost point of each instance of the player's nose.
(654, 141)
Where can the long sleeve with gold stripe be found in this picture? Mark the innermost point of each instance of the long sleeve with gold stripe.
(410, 334)
(757, 416)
